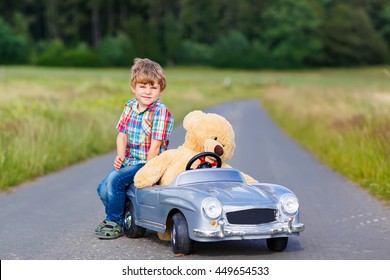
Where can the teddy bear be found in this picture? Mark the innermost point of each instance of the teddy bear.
(205, 132)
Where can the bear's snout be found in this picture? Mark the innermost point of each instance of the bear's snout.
(212, 145)
(218, 150)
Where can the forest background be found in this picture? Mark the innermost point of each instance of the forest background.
(251, 34)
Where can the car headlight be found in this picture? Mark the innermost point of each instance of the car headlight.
(212, 207)
(289, 204)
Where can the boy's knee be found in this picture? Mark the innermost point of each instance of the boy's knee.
(101, 189)
(118, 183)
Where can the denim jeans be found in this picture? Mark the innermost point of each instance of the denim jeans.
(112, 191)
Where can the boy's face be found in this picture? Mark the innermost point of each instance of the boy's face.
(146, 94)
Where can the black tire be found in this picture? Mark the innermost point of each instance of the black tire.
(129, 227)
(180, 239)
(277, 244)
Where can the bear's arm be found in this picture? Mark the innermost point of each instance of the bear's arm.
(247, 178)
(154, 169)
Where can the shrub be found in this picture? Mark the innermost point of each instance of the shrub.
(46, 52)
(291, 33)
(117, 50)
(228, 50)
(195, 53)
(54, 53)
(232, 50)
(13, 48)
(350, 38)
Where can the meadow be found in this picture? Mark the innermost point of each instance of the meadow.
(342, 117)
(51, 118)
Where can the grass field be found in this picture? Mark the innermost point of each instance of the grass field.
(342, 116)
(52, 117)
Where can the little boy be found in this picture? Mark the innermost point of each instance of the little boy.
(144, 127)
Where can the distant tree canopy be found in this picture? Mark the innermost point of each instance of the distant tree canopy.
(13, 48)
(239, 34)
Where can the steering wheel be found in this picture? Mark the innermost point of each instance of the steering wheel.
(203, 163)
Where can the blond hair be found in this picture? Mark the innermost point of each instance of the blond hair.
(146, 71)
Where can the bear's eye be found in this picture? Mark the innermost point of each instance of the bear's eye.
(215, 138)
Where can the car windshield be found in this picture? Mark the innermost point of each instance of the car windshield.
(208, 175)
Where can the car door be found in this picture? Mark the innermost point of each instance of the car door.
(147, 201)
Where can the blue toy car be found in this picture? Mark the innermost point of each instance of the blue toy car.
(213, 204)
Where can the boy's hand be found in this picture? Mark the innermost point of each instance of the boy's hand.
(118, 162)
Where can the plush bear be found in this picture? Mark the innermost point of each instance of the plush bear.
(205, 132)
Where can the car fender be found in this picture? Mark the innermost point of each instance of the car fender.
(179, 203)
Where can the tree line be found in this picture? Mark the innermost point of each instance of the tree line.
(238, 34)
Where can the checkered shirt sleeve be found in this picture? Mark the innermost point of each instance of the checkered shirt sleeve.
(162, 124)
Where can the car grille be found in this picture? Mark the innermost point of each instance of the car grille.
(251, 216)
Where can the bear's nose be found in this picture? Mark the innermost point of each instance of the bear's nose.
(218, 150)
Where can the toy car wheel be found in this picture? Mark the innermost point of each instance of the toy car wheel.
(180, 240)
(129, 227)
(277, 244)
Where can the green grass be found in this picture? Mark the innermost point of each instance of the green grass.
(53, 117)
(343, 117)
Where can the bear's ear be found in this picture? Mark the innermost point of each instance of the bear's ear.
(192, 118)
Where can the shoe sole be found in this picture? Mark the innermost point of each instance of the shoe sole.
(110, 237)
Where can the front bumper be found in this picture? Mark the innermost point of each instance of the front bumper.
(228, 232)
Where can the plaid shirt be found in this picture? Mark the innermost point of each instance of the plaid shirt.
(156, 122)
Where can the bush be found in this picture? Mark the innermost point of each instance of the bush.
(117, 50)
(193, 53)
(231, 51)
(235, 51)
(54, 53)
(80, 57)
(258, 57)
(46, 52)
(13, 48)
(350, 38)
(291, 33)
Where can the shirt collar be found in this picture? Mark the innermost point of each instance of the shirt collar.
(135, 106)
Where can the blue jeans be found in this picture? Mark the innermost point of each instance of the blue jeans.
(112, 191)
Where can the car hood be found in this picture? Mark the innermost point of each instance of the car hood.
(235, 194)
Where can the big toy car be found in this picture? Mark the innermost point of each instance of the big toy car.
(213, 204)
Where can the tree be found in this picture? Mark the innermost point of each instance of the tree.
(384, 27)
(13, 48)
(117, 50)
(286, 33)
(350, 38)
(135, 28)
(194, 53)
(94, 6)
(52, 18)
(231, 50)
(199, 20)
(291, 32)
(172, 39)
